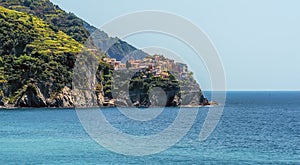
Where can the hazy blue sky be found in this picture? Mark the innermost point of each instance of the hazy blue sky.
(258, 40)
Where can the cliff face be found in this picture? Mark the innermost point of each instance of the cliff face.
(31, 97)
(143, 88)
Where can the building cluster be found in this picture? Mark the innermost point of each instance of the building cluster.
(158, 65)
(117, 65)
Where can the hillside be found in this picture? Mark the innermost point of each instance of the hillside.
(114, 47)
(73, 26)
(36, 60)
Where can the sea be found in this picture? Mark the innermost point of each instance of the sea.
(255, 128)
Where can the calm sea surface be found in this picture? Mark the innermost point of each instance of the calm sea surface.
(256, 128)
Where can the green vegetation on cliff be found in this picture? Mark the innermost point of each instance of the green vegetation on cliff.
(73, 26)
(144, 82)
(52, 15)
(31, 52)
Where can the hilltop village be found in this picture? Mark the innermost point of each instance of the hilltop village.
(158, 65)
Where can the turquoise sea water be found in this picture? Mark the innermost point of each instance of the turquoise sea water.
(256, 128)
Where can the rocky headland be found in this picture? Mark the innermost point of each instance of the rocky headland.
(40, 45)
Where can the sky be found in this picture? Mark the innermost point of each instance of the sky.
(258, 40)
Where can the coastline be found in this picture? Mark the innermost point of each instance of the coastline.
(11, 107)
